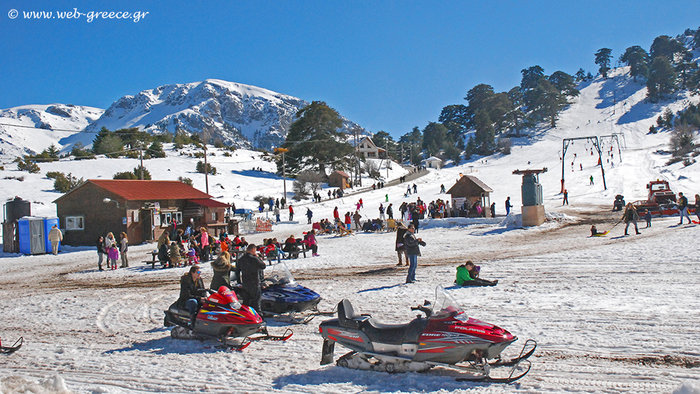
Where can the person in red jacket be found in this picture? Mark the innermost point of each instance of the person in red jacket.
(348, 220)
(336, 215)
(291, 213)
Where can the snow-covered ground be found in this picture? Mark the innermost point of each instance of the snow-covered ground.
(611, 314)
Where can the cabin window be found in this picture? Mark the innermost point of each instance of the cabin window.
(167, 218)
(75, 222)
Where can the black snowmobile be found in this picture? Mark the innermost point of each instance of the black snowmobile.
(285, 299)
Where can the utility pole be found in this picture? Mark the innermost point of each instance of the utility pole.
(141, 158)
(386, 152)
(284, 169)
(206, 167)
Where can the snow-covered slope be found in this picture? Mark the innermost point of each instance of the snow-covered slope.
(32, 128)
(237, 114)
(591, 303)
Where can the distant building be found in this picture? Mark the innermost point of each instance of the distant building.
(369, 150)
(141, 208)
(338, 179)
(466, 193)
(433, 162)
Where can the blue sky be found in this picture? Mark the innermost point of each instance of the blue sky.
(387, 65)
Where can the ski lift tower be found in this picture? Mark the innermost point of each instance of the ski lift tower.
(531, 189)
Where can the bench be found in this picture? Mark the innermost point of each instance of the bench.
(153, 261)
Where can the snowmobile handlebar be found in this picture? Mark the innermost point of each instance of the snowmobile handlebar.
(426, 308)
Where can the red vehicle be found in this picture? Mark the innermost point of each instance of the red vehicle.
(221, 317)
(661, 200)
(447, 338)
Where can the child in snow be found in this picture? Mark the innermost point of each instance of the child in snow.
(594, 231)
(467, 275)
(113, 255)
(192, 258)
(647, 217)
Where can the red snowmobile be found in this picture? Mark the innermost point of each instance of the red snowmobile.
(221, 317)
(447, 338)
(661, 200)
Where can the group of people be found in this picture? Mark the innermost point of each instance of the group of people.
(249, 268)
(109, 250)
(631, 215)
(273, 249)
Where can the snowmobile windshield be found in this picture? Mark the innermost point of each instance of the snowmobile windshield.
(446, 306)
(279, 274)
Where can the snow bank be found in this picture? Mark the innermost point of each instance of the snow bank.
(18, 384)
(688, 388)
(456, 222)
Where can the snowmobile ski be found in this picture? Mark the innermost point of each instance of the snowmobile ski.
(267, 337)
(11, 349)
(490, 379)
(522, 356)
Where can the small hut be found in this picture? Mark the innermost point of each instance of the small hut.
(433, 162)
(470, 197)
(338, 179)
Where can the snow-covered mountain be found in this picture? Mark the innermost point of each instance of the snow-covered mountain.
(33, 128)
(234, 113)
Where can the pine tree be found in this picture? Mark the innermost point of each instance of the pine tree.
(455, 118)
(638, 61)
(564, 83)
(686, 68)
(52, 151)
(107, 143)
(602, 59)
(434, 138)
(516, 115)
(667, 47)
(453, 153)
(662, 79)
(580, 75)
(549, 101)
(156, 149)
(484, 140)
(531, 76)
(314, 138)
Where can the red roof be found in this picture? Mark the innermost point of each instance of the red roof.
(149, 190)
(208, 202)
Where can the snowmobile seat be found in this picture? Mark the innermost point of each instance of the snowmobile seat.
(394, 333)
(347, 317)
(173, 309)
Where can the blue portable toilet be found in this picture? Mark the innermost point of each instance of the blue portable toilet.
(48, 223)
(34, 234)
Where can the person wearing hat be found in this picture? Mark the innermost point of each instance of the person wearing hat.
(400, 248)
(412, 245)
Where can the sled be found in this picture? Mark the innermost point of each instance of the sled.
(11, 349)
(604, 233)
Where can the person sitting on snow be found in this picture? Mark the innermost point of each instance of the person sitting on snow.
(594, 231)
(468, 275)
